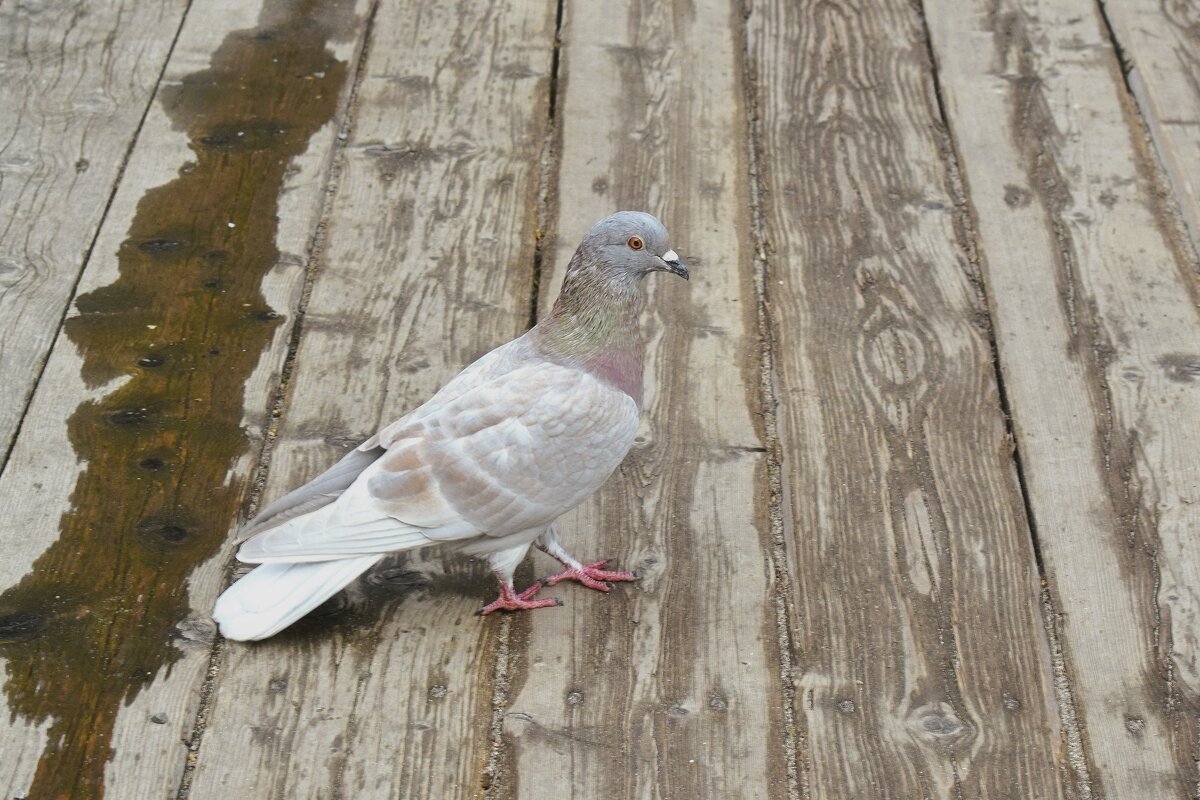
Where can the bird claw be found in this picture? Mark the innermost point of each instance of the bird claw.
(511, 601)
(592, 576)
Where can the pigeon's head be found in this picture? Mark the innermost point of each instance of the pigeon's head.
(594, 321)
(630, 244)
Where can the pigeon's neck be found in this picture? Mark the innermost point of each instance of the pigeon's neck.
(594, 325)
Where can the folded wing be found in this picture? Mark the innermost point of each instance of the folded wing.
(508, 454)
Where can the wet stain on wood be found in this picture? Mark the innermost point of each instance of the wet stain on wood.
(182, 327)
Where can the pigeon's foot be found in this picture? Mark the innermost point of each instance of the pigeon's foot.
(509, 600)
(592, 576)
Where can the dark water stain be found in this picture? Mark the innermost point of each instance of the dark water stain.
(185, 324)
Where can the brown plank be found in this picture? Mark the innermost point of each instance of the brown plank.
(1160, 41)
(428, 263)
(75, 80)
(668, 687)
(1095, 300)
(145, 430)
(921, 664)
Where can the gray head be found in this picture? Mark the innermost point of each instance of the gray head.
(594, 322)
(627, 245)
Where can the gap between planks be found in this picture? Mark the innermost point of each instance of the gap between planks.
(1170, 203)
(779, 568)
(1083, 268)
(494, 779)
(548, 179)
(87, 253)
(967, 233)
(1170, 210)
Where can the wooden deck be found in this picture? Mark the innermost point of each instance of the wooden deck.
(916, 503)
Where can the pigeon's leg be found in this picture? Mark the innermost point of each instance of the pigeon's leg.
(592, 575)
(504, 564)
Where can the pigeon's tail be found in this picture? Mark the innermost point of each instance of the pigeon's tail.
(273, 596)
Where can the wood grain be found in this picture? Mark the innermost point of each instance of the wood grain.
(1095, 307)
(429, 262)
(666, 688)
(921, 662)
(75, 80)
(99, 627)
(1160, 41)
(942, 645)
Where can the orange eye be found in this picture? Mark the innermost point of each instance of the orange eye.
(636, 243)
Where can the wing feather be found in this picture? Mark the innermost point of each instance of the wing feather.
(320, 491)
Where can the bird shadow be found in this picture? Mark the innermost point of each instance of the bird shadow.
(367, 603)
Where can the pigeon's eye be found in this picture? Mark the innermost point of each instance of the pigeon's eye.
(636, 243)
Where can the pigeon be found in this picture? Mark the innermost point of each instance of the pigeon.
(486, 465)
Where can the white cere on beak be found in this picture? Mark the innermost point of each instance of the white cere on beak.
(670, 256)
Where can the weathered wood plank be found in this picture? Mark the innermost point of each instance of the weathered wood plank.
(668, 687)
(922, 668)
(1160, 40)
(75, 79)
(137, 449)
(1095, 305)
(429, 263)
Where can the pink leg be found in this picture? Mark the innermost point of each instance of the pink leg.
(509, 600)
(591, 575)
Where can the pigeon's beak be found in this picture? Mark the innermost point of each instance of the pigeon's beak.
(673, 264)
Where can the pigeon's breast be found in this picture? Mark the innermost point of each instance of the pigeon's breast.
(620, 368)
(584, 435)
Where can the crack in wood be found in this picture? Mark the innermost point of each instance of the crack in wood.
(794, 758)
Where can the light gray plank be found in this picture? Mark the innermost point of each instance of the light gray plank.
(668, 687)
(921, 664)
(75, 80)
(138, 446)
(1094, 299)
(1160, 41)
(428, 264)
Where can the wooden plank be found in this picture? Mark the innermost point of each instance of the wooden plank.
(668, 687)
(138, 446)
(75, 80)
(429, 263)
(1160, 41)
(1095, 303)
(922, 668)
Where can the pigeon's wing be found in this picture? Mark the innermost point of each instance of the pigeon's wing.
(508, 455)
(511, 455)
(320, 491)
(329, 485)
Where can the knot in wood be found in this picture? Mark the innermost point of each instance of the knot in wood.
(11, 271)
(938, 723)
(895, 356)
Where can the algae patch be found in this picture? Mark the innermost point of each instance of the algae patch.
(94, 621)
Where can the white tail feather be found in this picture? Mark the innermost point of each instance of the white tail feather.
(273, 596)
